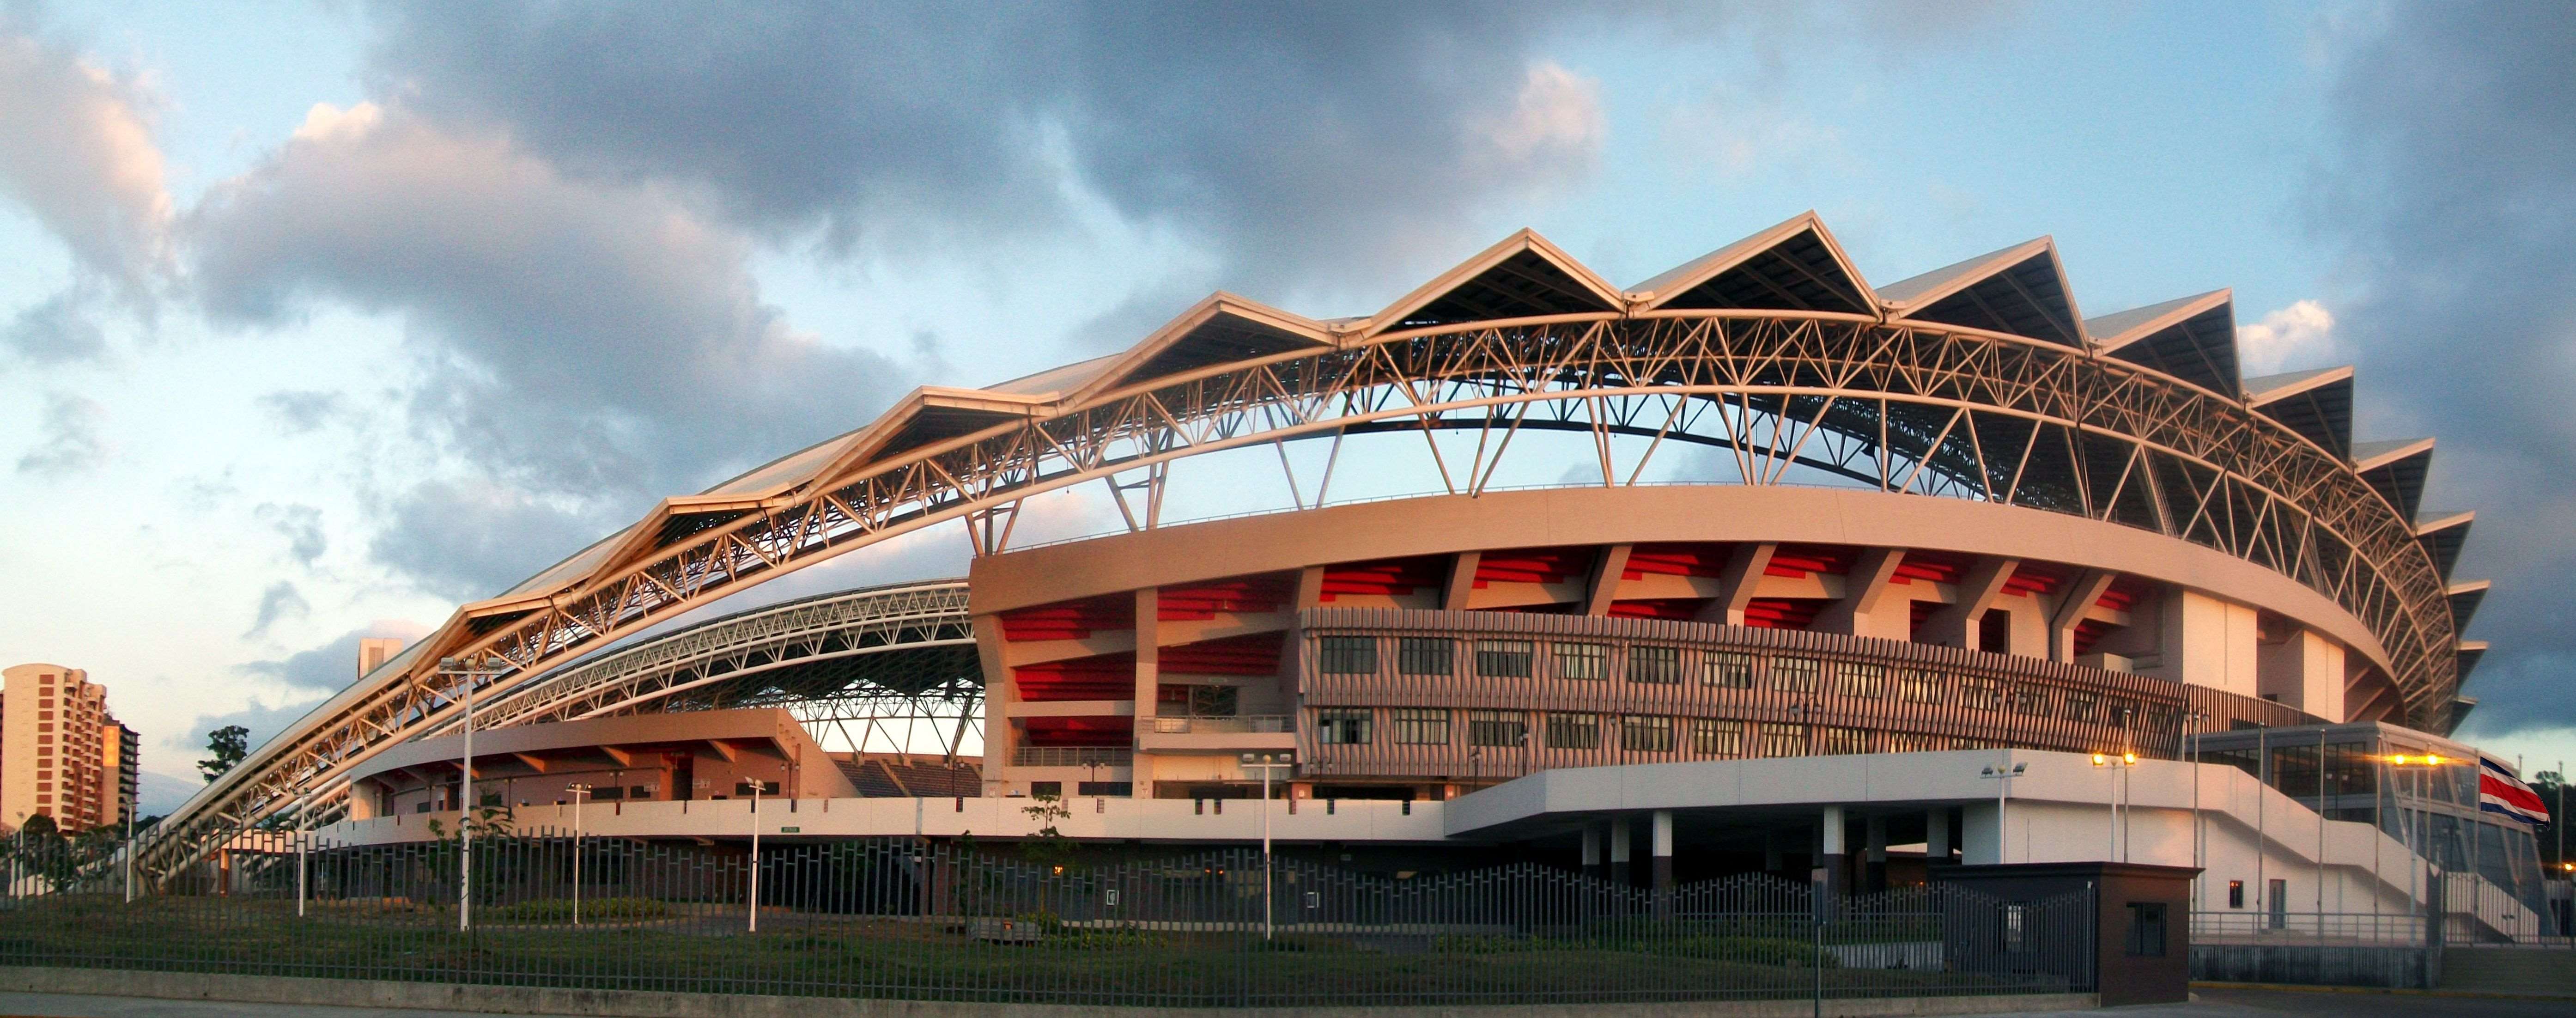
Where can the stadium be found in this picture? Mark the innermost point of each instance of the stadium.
(1751, 566)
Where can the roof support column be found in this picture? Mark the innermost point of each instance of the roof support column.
(1956, 625)
(1735, 583)
(1149, 688)
(2078, 597)
(1864, 589)
(1607, 568)
(1462, 581)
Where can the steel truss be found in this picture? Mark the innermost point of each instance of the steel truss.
(1909, 407)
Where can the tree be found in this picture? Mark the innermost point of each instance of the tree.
(229, 745)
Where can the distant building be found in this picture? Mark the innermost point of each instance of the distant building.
(62, 755)
(374, 651)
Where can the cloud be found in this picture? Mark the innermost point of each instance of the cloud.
(69, 441)
(301, 412)
(1273, 135)
(586, 346)
(76, 151)
(330, 667)
(470, 541)
(2452, 196)
(279, 601)
(2302, 333)
(301, 525)
(57, 329)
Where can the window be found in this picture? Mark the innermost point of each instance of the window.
(1659, 666)
(1421, 655)
(2147, 929)
(1582, 661)
(1504, 659)
(2277, 899)
(1645, 734)
(639, 792)
(1863, 682)
(1573, 731)
(2032, 700)
(2236, 894)
(2079, 706)
(1784, 740)
(745, 787)
(1415, 726)
(1711, 737)
(1107, 789)
(1795, 674)
(1845, 741)
(1047, 789)
(1727, 668)
(1342, 727)
(1348, 655)
(1919, 687)
(1497, 728)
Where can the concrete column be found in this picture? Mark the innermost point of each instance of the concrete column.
(1607, 568)
(1936, 836)
(1619, 838)
(2072, 602)
(1149, 687)
(1591, 850)
(1874, 878)
(1956, 625)
(1462, 581)
(1830, 853)
(1663, 849)
(1864, 590)
(1735, 583)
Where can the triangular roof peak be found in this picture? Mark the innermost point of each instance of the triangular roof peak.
(1219, 329)
(2396, 470)
(1523, 276)
(2021, 289)
(2192, 338)
(1793, 266)
(2317, 404)
(2274, 388)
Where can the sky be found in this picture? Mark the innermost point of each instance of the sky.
(317, 320)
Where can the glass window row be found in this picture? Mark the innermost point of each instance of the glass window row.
(1635, 733)
(1649, 664)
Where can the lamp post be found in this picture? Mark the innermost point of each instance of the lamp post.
(1266, 763)
(754, 897)
(2116, 768)
(2422, 765)
(1997, 772)
(301, 806)
(580, 790)
(468, 673)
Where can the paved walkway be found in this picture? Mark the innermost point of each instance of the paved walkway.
(2213, 1003)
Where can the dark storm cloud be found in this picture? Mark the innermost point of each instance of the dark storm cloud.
(1292, 139)
(2455, 194)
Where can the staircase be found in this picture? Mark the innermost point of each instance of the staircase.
(2537, 971)
(882, 778)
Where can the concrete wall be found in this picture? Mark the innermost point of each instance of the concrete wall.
(2318, 965)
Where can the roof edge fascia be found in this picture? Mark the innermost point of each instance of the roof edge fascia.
(2184, 309)
(2401, 449)
(2292, 383)
(1680, 279)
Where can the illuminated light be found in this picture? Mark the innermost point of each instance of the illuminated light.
(2397, 758)
(2128, 758)
(2433, 759)
(2099, 760)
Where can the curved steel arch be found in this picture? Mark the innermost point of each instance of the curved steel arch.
(1929, 408)
(925, 621)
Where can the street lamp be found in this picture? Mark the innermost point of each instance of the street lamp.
(456, 667)
(1266, 763)
(580, 790)
(2116, 768)
(1999, 773)
(754, 897)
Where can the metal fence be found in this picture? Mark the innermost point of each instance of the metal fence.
(1040, 923)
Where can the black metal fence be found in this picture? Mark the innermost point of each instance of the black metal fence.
(897, 918)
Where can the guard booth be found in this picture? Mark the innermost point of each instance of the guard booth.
(2140, 929)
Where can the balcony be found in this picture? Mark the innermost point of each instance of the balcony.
(1072, 756)
(1241, 733)
(1211, 725)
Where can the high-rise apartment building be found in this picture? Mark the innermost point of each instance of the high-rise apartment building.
(62, 755)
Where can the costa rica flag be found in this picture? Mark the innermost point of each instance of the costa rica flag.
(2500, 792)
